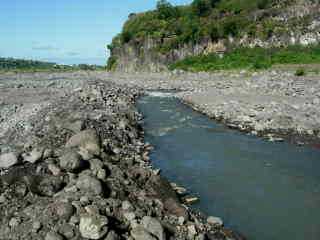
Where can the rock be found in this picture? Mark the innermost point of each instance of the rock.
(129, 216)
(34, 156)
(112, 236)
(67, 231)
(214, 221)
(154, 227)
(53, 236)
(49, 186)
(70, 160)
(36, 225)
(88, 142)
(54, 169)
(181, 220)
(3, 199)
(64, 210)
(14, 222)
(127, 206)
(8, 160)
(192, 231)
(140, 233)
(89, 184)
(48, 153)
(93, 226)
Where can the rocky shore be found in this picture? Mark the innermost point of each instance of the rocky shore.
(276, 105)
(74, 165)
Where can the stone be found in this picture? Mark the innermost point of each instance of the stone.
(64, 210)
(129, 216)
(214, 221)
(140, 233)
(93, 226)
(89, 185)
(14, 222)
(70, 160)
(54, 169)
(53, 236)
(127, 206)
(36, 225)
(49, 186)
(67, 231)
(87, 141)
(112, 236)
(154, 227)
(8, 160)
(48, 153)
(34, 156)
(181, 220)
(192, 231)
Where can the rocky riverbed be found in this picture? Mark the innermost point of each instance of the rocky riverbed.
(74, 164)
(276, 105)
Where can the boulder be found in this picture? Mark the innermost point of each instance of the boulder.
(87, 141)
(70, 160)
(8, 160)
(154, 227)
(93, 226)
(34, 156)
(89, 185)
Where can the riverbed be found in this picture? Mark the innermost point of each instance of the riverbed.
(265, 190)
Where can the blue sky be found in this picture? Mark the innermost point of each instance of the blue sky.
(64, 31)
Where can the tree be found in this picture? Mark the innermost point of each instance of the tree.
(166, 10)
(201, 7)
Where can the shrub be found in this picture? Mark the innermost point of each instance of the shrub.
(300, 72)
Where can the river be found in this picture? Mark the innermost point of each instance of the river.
(265, 190)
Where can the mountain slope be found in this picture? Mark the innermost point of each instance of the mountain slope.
(152, 40)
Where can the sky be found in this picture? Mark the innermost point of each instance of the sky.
(65, 31)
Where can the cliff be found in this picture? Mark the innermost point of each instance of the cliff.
(153, 40)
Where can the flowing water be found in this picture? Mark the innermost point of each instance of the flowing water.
(267, 191)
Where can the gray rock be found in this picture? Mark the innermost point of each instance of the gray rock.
(112, 236)
(215, 221)
(140, 233)
(70, 160)
(154, 227)
(93, 226)
(127, 206)
(54, 169)
(34, 156)
(53, 236)
(64, 210)
(8, 160)
(87, 141)
(89, 184)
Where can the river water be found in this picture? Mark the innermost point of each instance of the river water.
(267, 191)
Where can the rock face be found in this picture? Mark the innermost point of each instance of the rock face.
(142, 54)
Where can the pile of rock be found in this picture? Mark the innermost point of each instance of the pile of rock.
(85, 174)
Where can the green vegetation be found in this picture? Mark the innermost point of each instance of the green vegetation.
(300, 72)
(11, 64)
(174, 26)
(251, 58)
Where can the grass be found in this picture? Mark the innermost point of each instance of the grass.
(251, 58)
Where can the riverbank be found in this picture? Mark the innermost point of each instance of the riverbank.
(276, 105)
(74, 165)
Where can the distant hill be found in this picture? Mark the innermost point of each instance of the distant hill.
(152, 40)
(12, 64)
